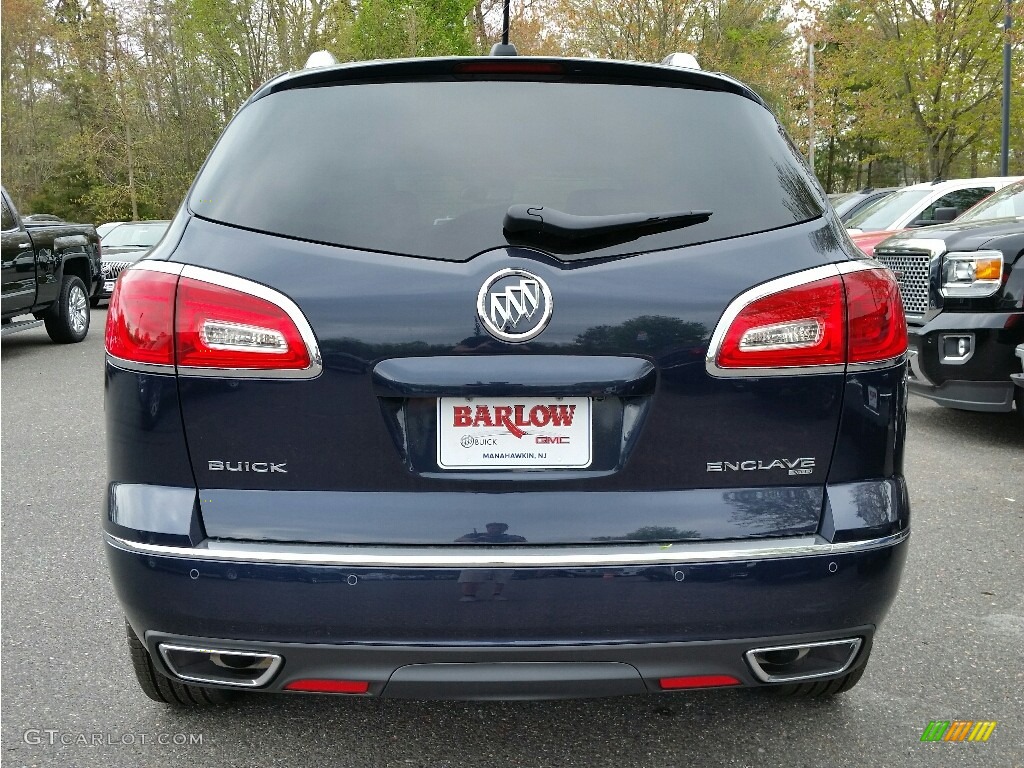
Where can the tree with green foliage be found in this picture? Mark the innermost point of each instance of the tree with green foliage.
(930, 77)
(386, 29)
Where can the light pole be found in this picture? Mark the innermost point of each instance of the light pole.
(1004, 153)
(810, 102)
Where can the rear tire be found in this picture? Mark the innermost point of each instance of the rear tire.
(67, 321)
(819, 689)
(166, 691)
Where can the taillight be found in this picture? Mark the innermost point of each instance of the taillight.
(219, 327)
(803, 325)
(140, 319)
(878, 327)
(812, 322)
(207, 324)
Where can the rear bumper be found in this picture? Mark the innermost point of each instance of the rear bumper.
(683, 613)
(519, 672)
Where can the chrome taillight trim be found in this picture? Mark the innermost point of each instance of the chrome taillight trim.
(260, 291)
(877, 365)
(169, 267)
(278, 299)
(134, 367)
(778, 285)
(507, 557)
(746, 298)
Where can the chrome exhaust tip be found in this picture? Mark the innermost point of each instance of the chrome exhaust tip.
(804, 661)
(243, 669)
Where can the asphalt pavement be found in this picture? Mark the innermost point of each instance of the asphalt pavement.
(951, 648)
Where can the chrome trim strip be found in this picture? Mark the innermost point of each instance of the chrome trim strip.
(764, 677)
(507, 557)
(877, 365)
(910, 244)
(170, 267)
(858, 265)
(129, 365)
(275, 664)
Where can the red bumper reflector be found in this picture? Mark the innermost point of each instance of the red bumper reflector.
(328, 686)
(698, 681)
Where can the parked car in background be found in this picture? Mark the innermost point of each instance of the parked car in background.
(963, 293)
(125, 244)
(920, 205)
(103, 229)
(420, 362)
(50, 269)
(850, 204)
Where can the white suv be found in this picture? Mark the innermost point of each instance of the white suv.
(916, 205)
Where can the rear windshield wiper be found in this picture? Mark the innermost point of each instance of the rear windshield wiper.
(539, 221)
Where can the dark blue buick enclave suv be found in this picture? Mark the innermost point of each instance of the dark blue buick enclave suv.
(504, 378)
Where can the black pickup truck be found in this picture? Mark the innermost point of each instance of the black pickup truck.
(963, 293)
(50, 271)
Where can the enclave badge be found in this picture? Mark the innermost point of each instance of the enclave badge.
(514, 305)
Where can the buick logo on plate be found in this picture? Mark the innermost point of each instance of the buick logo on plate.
(514, 305)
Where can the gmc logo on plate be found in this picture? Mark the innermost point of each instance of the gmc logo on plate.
(546, 440)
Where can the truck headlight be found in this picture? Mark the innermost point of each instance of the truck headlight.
(972, 275)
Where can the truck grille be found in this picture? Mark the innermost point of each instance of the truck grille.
(911, 270)
(111, 269)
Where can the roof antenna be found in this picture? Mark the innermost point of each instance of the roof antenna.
(504, 48)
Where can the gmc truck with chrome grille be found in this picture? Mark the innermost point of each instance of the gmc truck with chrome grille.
(504, 377)
(963, 292)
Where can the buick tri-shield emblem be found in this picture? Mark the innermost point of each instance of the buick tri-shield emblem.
(514, 305)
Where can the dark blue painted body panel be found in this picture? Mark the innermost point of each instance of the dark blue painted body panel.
(541, 517)
(307, 604)
(145, 442)
(352, 431)
(852, 512)
(873, 426)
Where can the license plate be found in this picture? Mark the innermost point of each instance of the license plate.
(513, 433)
(108, 286)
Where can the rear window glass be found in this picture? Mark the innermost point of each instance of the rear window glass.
(430, 168)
